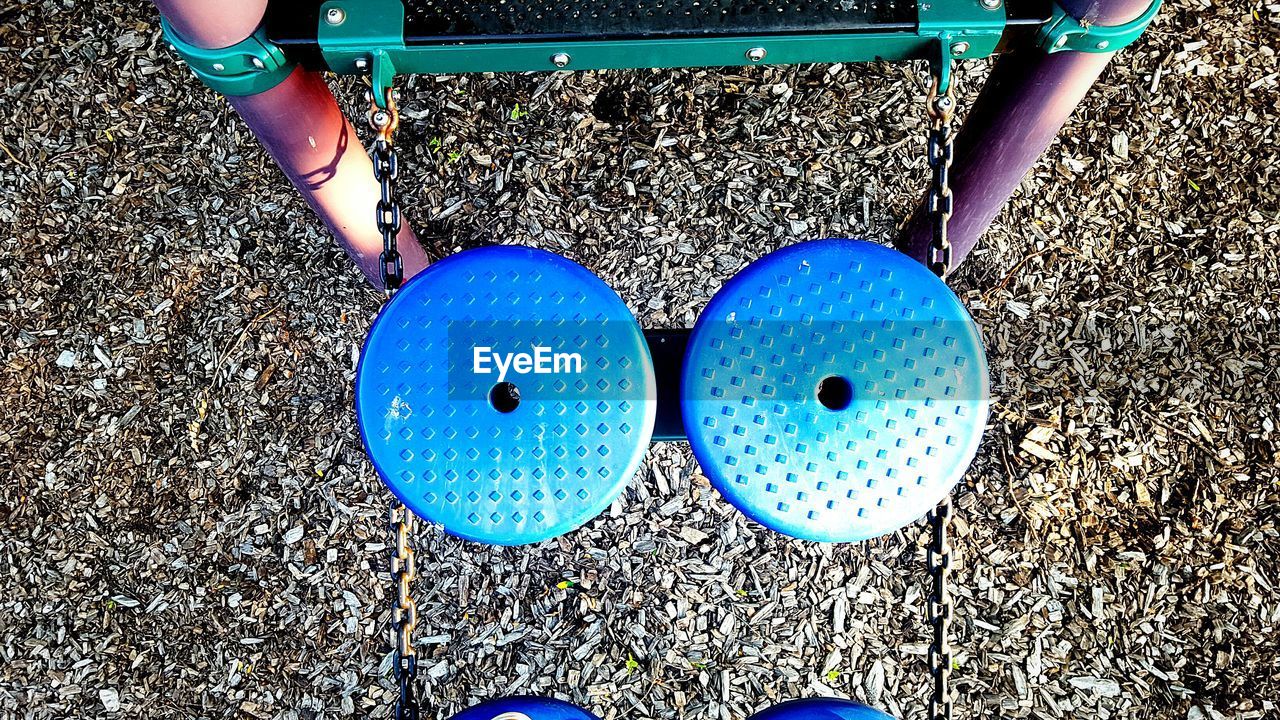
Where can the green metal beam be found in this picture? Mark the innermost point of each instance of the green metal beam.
(353, 33)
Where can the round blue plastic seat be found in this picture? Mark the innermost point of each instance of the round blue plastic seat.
(507, 394)
(820, 709)
(835, 390)
(525, 708)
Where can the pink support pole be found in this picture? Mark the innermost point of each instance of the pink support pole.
(300, 125)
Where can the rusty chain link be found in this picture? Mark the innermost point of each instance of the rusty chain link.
(941, 109)
(939, 612)
(404, 614)
(386, 169)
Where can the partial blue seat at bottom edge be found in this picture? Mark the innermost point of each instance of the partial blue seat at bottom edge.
(538, 708)
(522, 708)
(821, 709)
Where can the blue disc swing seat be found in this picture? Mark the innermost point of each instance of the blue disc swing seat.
(537, 708)
(526, 708)
(509, 454)
(835, 390)
(820, 709)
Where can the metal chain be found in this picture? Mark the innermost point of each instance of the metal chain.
(404, 615)
(939, 609)
(942, 109)
(386, 169)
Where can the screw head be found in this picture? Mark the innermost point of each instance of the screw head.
(992, 4)
(335, 16)
(1103, 44)
(219, 67)
(257, 62)
(756, 54)
(560, 60)
(362, 64)
(959, 48)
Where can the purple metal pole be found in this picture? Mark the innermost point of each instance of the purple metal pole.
(1028, 97)
(301, 126)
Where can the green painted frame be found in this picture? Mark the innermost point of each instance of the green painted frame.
(370, 29)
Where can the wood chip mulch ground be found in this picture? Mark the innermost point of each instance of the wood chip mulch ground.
(189, 528)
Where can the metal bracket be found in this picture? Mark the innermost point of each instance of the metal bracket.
(940, 63)
(1064, 32)
(360, 36)
(383, 77)
(963, 29)
(249, 67)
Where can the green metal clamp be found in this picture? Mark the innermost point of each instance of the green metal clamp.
(1064, 32)
(249, 67)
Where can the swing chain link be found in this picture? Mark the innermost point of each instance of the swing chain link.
(404, 569)
(940, 612)
(404, 614)
(942, 107)
(386, 169)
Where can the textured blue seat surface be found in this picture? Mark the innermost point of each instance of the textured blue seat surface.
(820, 709)
(520, 708)
(459, 452)
(835, 390)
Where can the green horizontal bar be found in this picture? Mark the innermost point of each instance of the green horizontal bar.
(664, 53)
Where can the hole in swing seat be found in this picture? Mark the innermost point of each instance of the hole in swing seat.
(504, 397)
(835, 392)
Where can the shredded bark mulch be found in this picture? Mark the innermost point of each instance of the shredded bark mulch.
(189, 528)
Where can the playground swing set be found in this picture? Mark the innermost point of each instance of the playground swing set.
(833, 391)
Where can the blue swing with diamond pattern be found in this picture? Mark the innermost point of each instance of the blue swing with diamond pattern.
(526, 708)
(508, 459)
(835, 390)
(537, 708)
